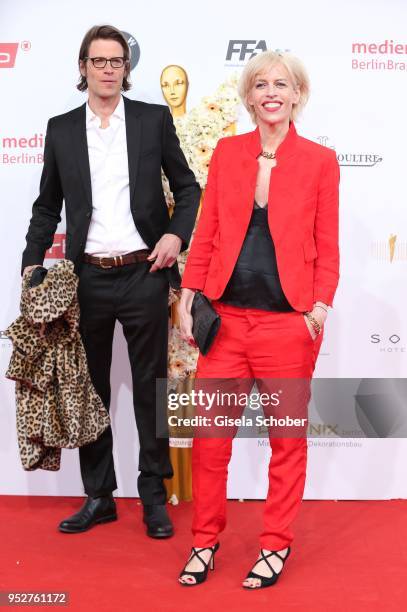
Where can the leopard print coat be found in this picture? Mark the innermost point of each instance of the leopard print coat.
(57, 405)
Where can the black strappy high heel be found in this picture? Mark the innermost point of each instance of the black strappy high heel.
(264, 580)
(200, 576)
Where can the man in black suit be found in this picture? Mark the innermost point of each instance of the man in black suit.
(104, 159)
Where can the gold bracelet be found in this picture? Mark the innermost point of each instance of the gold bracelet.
(319, 306)
(313, 321)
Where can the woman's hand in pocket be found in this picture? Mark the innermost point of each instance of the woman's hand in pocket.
(320, 315)
(311, 330)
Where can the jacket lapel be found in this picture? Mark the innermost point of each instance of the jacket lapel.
(280, 188)
(133, 136)
(245, 182)
(81, 151)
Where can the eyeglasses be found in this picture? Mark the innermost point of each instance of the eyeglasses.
(100, 62)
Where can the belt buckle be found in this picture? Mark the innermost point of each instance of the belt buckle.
(101, 264)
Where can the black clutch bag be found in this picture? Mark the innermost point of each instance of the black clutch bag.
(206, 322)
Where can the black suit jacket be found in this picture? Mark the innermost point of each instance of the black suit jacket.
(152, 143)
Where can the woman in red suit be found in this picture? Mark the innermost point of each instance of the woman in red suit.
(265, 253)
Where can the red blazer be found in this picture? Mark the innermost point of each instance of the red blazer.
(302, 217)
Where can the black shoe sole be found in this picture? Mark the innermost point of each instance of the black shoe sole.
(104, 519)
(160, 536)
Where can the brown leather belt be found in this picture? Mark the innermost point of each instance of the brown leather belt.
(117, 260)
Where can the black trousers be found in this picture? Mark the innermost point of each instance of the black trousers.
(139, 300)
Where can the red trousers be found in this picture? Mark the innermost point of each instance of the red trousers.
(251, 344)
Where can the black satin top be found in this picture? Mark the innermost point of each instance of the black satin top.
(255, 282)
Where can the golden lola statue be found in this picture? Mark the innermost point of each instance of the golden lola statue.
(174, 86)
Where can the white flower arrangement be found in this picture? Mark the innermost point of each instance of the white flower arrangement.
(200, 129)
(182, 358)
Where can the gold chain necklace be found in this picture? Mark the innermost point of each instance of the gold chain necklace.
(268, 155)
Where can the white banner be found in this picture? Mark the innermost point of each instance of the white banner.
(356, 55)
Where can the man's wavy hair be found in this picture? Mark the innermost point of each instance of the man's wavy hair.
(105, 32)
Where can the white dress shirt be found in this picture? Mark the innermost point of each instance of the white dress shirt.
(112, 230)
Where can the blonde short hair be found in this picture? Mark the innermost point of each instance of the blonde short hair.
(261, 63)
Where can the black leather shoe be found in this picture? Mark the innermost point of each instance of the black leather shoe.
(94, 511)
(158, 522)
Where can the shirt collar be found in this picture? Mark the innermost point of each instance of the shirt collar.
(118, 112)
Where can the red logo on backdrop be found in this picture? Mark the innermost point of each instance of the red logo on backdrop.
(57, 251)
(8, 52)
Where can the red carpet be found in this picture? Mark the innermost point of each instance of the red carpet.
(347, 556)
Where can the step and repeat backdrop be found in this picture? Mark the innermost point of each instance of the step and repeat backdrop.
(356, 56)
